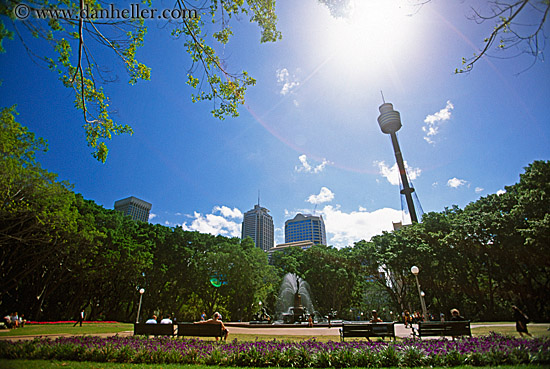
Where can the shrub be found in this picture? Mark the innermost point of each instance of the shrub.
(434, 360)
(68, 352)
(365, 358)
(344, 358)
(124, 354)
(497, 357)
(477, 359)
(388, 357)
(413, 356)
(454, 358)
(541, 357)
(519, 355)
(273, 358)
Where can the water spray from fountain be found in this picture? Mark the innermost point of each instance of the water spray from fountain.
(295, 302)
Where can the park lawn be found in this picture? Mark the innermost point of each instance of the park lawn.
(67, 328)
(537, 330)
(48, 364)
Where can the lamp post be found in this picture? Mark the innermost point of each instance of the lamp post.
(415, 271)
(141, 292)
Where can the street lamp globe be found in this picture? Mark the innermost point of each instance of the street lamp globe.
(141, 292)
(422, 294)
(415, 270)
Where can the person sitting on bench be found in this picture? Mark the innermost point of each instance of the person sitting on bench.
(375, 318)
(455, 316)
(216, 320)
(152, 320)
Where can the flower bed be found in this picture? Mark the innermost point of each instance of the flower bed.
(71, 322)
(493, 349)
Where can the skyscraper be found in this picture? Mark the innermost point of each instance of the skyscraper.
(134, 207)
(306, 228)
(258, 225)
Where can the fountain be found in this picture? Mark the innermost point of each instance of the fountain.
(294, 303)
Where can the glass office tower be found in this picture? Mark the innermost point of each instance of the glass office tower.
(306, 228)
(258, 225)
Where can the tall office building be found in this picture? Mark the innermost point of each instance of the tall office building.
(306, 228)
(134, 207)
(258, 225)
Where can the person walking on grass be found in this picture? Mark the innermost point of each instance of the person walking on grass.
(521, 321)
(80, 318)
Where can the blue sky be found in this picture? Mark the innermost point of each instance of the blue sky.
(307, 138)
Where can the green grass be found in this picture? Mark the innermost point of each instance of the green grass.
(537, 330)
(47, 364)
(67, 328)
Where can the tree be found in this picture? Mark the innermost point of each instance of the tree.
(480, 259)
(519, 29)
(288, 260)
(331, 275)
(531, 218)
(74, 38)
(36, 213)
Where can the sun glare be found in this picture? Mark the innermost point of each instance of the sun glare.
(375, 32)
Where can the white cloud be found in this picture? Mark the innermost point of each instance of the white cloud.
(433, 121)
(325, 195)
(287, 82)
(455, 182)
(307, 168)
(343, 229)
(227, 212)
(151, 216)
(478, 189)
(500, 192)
(392, 174)
(216, 224)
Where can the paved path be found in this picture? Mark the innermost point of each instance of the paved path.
(400, 331)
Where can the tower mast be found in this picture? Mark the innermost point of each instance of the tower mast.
(390, 122)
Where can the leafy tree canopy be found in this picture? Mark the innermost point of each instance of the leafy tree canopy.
(74, 56)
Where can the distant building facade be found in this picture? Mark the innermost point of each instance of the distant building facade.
(258, 225)
(397, 225)
(306, 227)
(134, 207)
(304, 245)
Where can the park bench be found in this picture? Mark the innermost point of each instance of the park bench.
(200, 330)
(367, 330)
(153, 329)
(443, 329)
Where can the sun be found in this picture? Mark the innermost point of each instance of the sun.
(375, 32)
